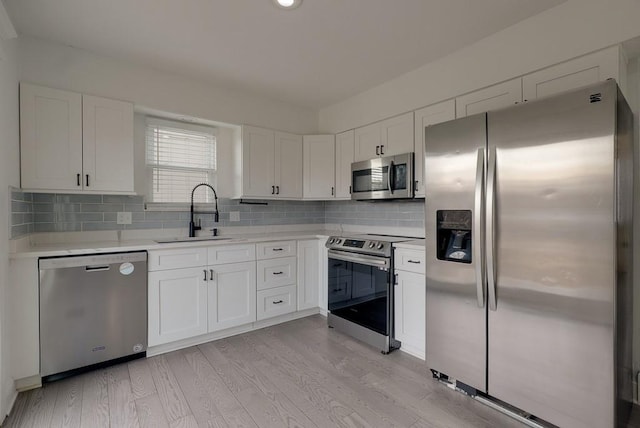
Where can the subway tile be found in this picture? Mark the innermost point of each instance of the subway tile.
(101, 226)
(44, 197)
(19, 230)
(44, 227)
(44, 217)
(21, 207)
(161, 215)
(16, 219)
(90, 207)
(144, 225)
(81, 217)
(86, 199)
(67, 208)
(133, 207)
(122, 199)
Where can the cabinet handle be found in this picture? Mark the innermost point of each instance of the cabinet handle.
(382, 149)
(277, 190)
(332, 190)
(349, 189)
(78, 180)
(377, 150)
(415, 186)
(278, 249)
(205, 274)
(335, 290)
(211, 274)
(277, 302)
(87, 177)
(278, 273)
(395, 279)
(417, 262)
(273, 190)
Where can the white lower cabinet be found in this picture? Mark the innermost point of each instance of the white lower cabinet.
(177, 304)
(276, 272)
(409, 302)
(309, 273)
(232, 295)
(276, 301)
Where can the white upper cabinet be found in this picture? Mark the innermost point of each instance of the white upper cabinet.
(431, 115)
(586, 70)
(107, 136)
(271, 164)
(397, 135)
(74, 142)
(319, 167)
(258, 162)
(288, 167)
(344, 159)
(385, 138)
(494, 97)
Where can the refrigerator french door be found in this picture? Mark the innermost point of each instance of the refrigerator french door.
(528, 217)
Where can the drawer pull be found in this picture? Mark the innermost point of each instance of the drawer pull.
(211, 274)
(278, 249)
(277, 302)
(335, 290)
(417, 262)
(278, 273)
(205, 274)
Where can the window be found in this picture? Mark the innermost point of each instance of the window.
(179, 156)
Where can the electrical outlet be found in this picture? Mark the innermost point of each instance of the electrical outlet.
(124, 217)
(234, 215)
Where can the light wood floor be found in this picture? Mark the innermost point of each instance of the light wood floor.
(298, 374)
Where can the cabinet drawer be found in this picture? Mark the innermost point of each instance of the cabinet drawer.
(276, 301)
(177, 258)
(276, 272)
(271, 250)
(410, 260)
(231, 254)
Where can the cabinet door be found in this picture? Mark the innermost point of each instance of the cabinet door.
(409, 311)
(573, 74)
(397, 135)
(177, 304)
(319, 166)
(276, 272)
(308, 274)
(107, 144)
(288, 167)
(431, 115)
(491, 98)
(232, 295)
(50, 138)
(367, 142)
(258, 162)
(344, 159)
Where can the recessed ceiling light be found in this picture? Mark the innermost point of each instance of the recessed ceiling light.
(287, 4)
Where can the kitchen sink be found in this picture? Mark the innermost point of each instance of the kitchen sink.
(195, 239)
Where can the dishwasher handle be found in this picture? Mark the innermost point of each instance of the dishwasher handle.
(97, 268)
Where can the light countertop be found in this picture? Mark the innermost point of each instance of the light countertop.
(416, 244)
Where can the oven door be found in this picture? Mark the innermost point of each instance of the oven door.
(359, 288)
(383, 178)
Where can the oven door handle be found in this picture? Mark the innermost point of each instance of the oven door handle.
(363, 259)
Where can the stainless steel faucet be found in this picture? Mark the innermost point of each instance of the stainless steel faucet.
(216, 214)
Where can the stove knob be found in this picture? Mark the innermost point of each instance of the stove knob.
(380, 245)
(332, 240)
(339, 241)
(372, 244)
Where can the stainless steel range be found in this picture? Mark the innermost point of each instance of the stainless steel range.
(360, 288)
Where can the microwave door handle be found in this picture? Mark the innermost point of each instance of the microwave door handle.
(390, 177)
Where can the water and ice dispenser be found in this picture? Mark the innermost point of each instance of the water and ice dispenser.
(454, 235)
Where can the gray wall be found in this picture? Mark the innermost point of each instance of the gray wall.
(46, 212)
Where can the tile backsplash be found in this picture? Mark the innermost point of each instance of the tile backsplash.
(47, 212)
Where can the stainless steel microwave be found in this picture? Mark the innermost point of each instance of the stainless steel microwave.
(388, 177)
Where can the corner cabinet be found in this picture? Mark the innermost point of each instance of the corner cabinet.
(271, 164)
(388, 137)
(319, 167)
(74, 142)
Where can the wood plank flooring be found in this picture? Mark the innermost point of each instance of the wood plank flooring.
(297, 374)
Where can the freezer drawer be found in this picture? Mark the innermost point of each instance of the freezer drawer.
(92, 309)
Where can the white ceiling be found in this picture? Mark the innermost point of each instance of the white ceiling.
(313, 56)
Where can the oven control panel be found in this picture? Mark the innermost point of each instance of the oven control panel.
(366, 246)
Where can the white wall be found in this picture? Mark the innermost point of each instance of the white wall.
(78, 70)
(9, 176)
(571, 29)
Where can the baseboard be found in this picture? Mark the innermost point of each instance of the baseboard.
(27, 383)
(414, 352)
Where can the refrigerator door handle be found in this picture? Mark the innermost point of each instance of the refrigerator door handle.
(491, 230)
(478, 230)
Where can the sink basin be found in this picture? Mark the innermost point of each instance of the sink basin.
(195, 239)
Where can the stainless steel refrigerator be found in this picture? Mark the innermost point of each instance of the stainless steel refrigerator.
(529, 255)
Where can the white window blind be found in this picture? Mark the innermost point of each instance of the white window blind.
(179, 156)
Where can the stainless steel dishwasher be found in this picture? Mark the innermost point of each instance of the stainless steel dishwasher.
(93, 309)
